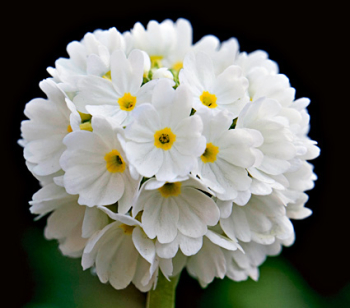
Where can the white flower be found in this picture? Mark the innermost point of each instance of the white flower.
(264, 84)
(209, 262)
(256, 59)
(294, 195)
(167, 42)
(48, 124)
(163, 140)
(175, 207)
(240, 266)
(299, 119)
(225, 56)
(122, 254)
(225, 91)
(222, 166)
(262, 220)
(96, 167)
(70, 223)
(90, 56)
(116, 97)
(278, 148)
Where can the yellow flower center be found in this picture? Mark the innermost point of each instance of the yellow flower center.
(114, 162)
(170, 189)
(107, 76)
(208, 99)
(127, 229)
(164, 138)
(209, 155)
(69, 128)
(178, 66)
(127, 102)
(156, 61)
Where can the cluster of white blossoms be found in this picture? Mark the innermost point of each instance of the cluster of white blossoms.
(155, 153)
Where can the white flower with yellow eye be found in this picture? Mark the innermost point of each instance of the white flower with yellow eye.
(215, 93)
(163, 140)
(168, 42)
(96, 167)
(43, 132)
(170, 208)
(118, 96)
(222, 165)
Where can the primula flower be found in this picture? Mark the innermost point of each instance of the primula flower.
(167, 42)
(69, 222)
(228, 153)
(225, 91)
(261, 220)
(96, 167)
(90, 56)
(48, 124)
(118, 96)
(175, 207)
(115, 253)
(163, 140)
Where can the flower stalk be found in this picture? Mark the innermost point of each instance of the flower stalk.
(164, 294)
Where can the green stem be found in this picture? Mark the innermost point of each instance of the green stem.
(164, 294)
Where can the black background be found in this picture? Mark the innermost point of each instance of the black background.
(307, 41)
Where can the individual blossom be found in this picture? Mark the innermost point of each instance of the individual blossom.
(170, 209)
(278, 148)
(90, 56)
(47, 125)
(294, 196)
(121, 254)
(164, 140)
(241, 266)
(263, 83)
(69, 222)
(224, 91)
(228, 153)
(217, 259)
(96, 167)
(262, 220)
(168, 42)
(299, 120)
(257, 59)
(118, 96)
(210, 262)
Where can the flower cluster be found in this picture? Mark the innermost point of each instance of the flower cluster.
(155, 153)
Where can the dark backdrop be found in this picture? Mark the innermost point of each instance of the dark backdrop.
(308, 43)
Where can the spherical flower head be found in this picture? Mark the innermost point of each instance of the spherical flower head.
(164, 140)
(173, 208)
(156, 154)
(96, 167)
